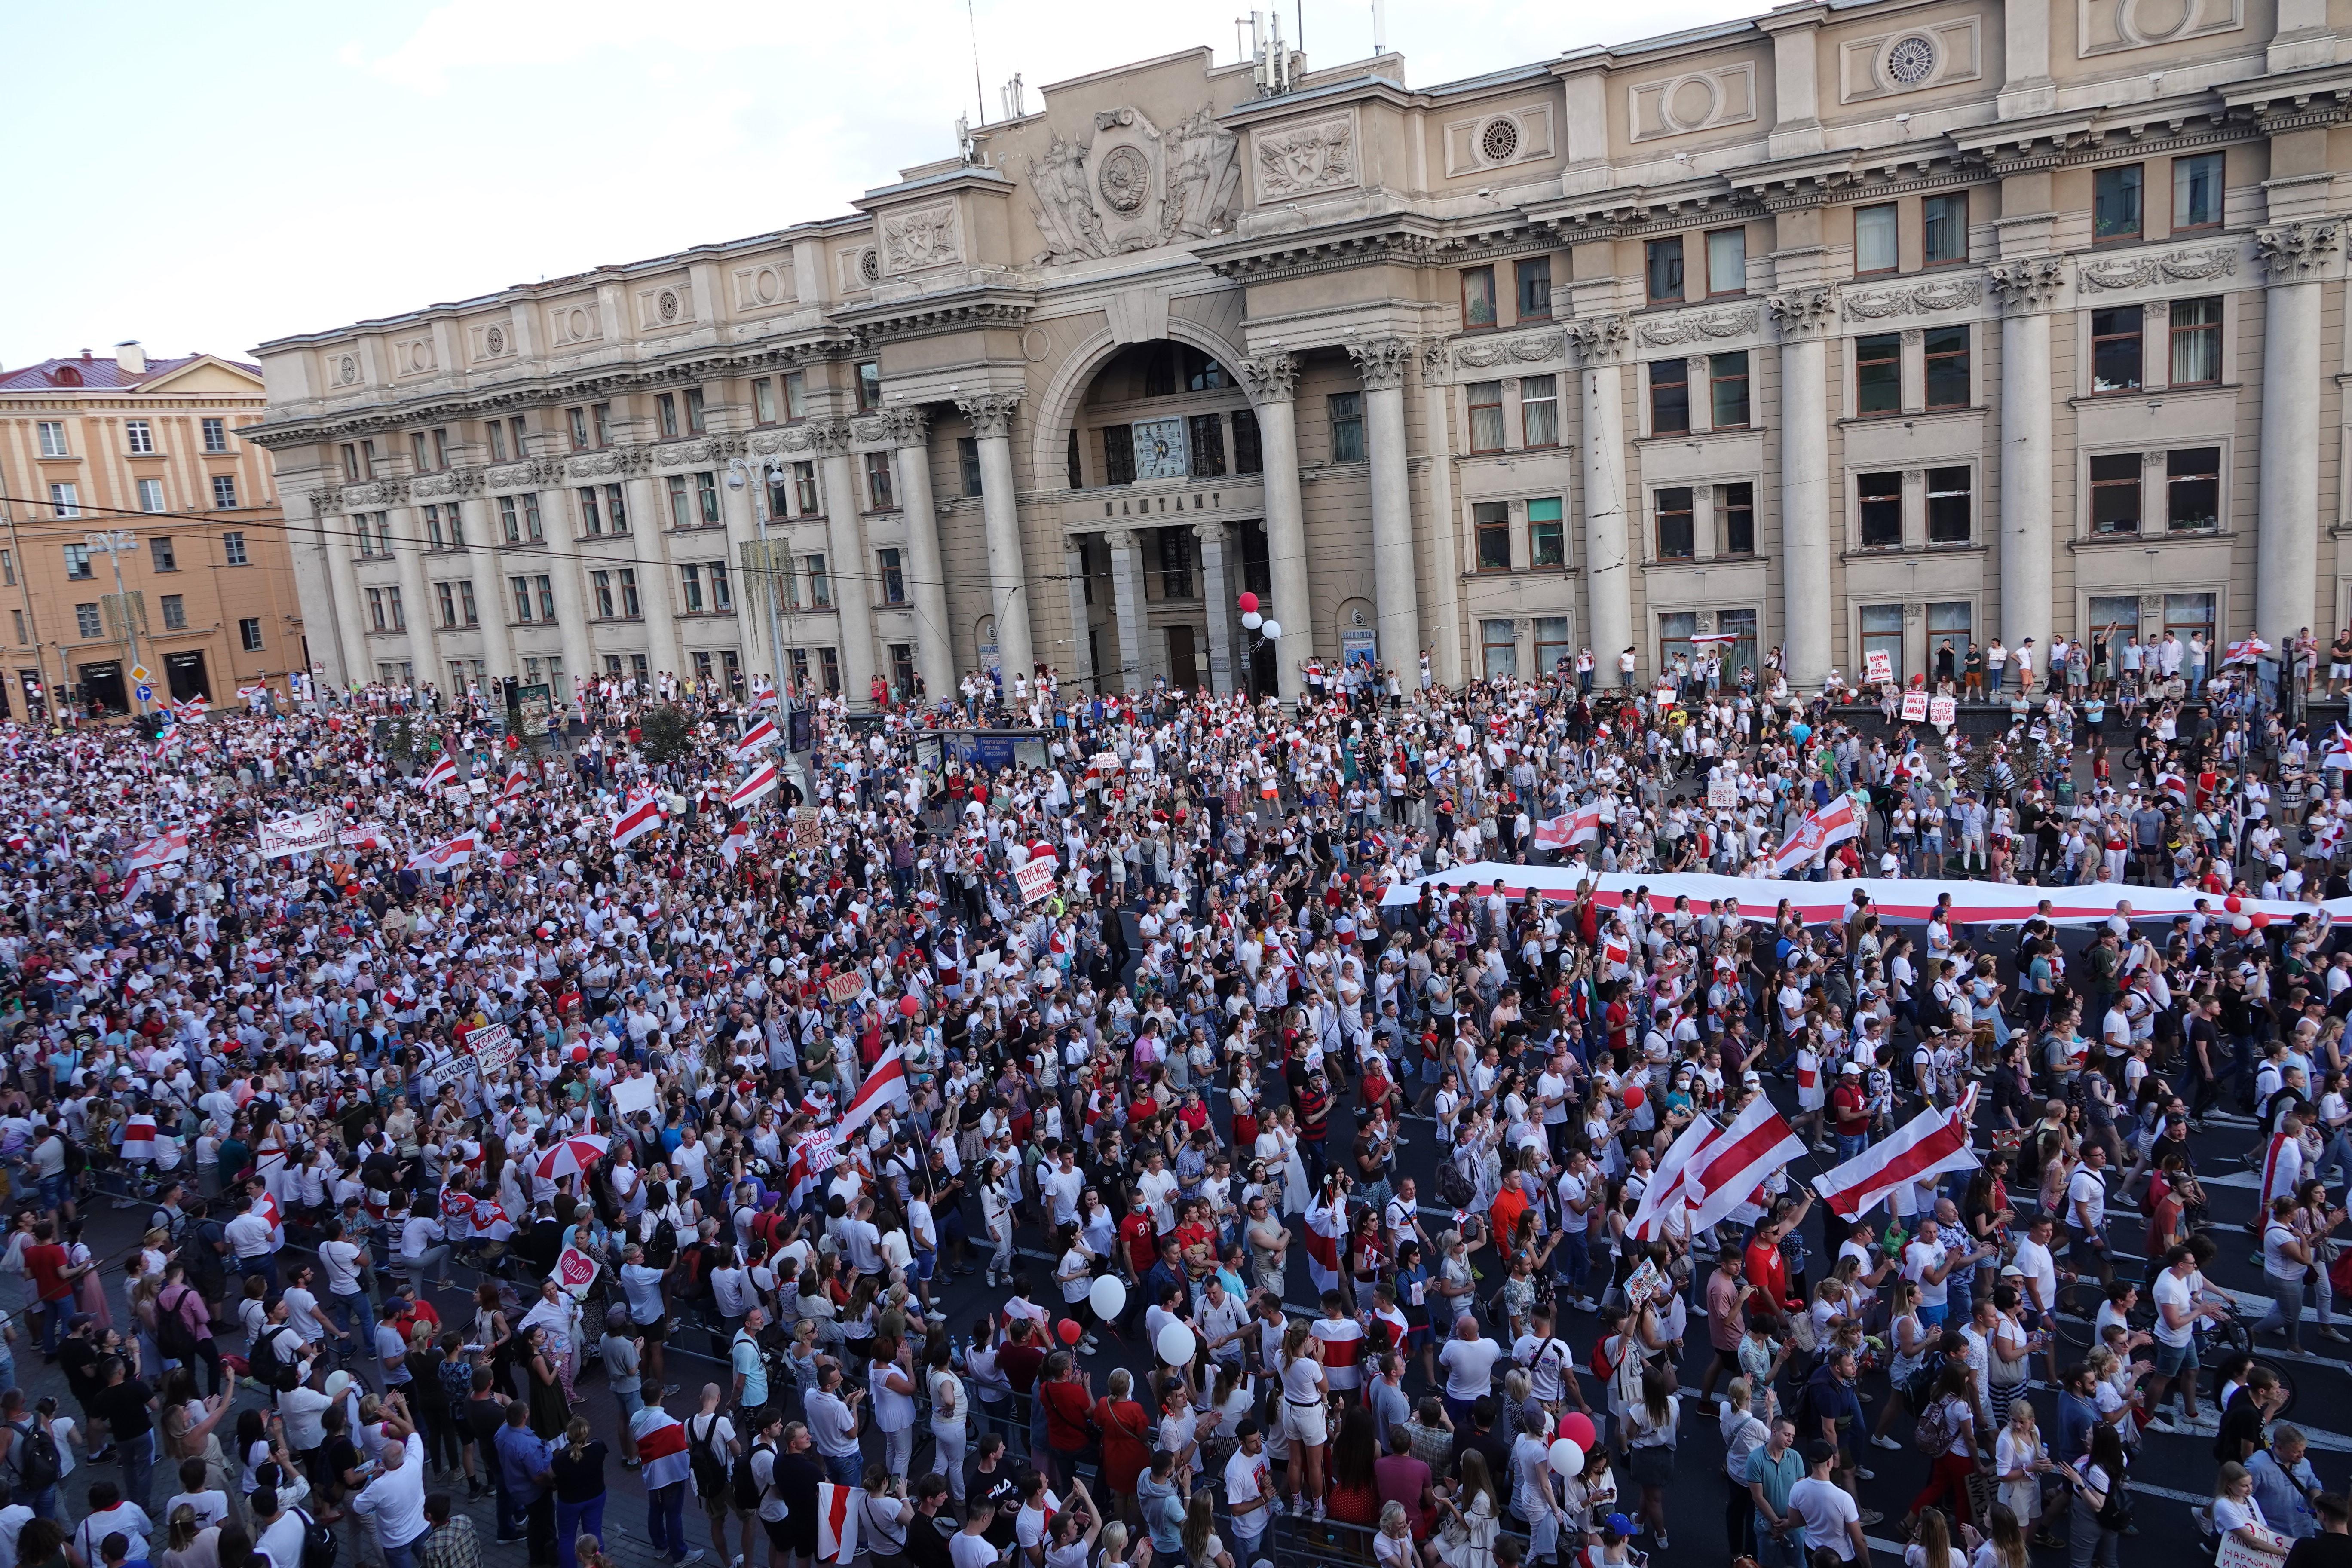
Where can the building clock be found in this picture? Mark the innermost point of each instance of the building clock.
(1161, 451)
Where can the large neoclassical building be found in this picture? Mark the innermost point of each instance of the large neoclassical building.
(1853, 327)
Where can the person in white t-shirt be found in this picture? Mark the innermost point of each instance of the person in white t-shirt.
(1831, 1522)
(2180, 1304)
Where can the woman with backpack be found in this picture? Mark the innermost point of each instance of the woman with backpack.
(1946, 1433)
(2101, 1509)
(579, 1470)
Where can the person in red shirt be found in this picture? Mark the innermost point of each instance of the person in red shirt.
(1067, 1393)
(1135, 1234)
(1764, 1266)
(45, 1265)
(1850, 1105)
(1509, 1205)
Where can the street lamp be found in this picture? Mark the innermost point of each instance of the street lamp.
(1260, 630)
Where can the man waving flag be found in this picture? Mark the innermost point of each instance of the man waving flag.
(759, 782)
(1832, 824)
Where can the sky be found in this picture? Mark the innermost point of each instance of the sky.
(207, 176)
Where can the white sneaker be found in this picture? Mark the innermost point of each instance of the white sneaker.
(1317, 1514)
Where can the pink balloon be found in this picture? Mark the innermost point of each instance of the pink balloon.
(1248, 603)
(1071, 1330)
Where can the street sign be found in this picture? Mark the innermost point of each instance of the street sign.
(139, 673)
(146, 692)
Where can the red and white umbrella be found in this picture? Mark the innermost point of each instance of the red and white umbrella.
(573, 1156)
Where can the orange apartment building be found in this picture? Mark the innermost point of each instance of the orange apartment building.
(152, 448)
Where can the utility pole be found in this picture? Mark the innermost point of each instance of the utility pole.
(114, 542)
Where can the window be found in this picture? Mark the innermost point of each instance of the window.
(86, 621)
(8, 568)
(138, 435)
(600, 415)
(2197, 192)
(1540, 410)
(2114, 349)
(894, 577)
(2186, 615)
(1534, 279)
(516, 428)
(151, 495)
(448, 593)
(2192, 489)
(722, 592)
(215, 435)
(828, 668)
(666, 412)
(376, 621)
(681, 502)
(1553, 646)
(695, 423)
(795, 394)
(497, 435)
(576, 421)
(1875, 249)
(1878, 507)
(1662, 269)
(1547, 534)
(1669, 397)
(53, 438)
(820, 584)
(2113, 619)
(1199, 372)
(1486, 400)
(2115, 204)
(233, 547)
(1477, 297)
(763, 400)
(2197, 341)
(1492, 519)
(689, 581)
(78, 568)
(706, 497)
(2114, 492)
(521, 587)
(1069, 458)
(65, 499)
(1678, 532)
(1947, 350)
(629, 604)
(161, 555)
(1726, 261)
(1175, 546)
(350, 461)
(1208, 432)
(545, 586)
(1249, 457)
(248, 634)
(1347, 426)
(1943, 230)
(968, 463)
(869, 387)
(1949, 514)
(1735, 513)
(224, 492)
(1882, 632)
(1726, 385)
(1878, 375)
(518, 515)
(879, 494)
(805, 487)
(1160, 378)
(1740, 654)
(1119, 454)
(599, 588)
(399, 612)
(1950, 621)
(1675, 629)
(1500, 648)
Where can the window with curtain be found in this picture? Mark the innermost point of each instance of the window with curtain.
(1499, 648)
(1882, 632)
(1547, 532)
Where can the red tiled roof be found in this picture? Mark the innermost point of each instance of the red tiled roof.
(98, 372)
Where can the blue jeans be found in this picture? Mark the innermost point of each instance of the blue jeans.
(405, 1556)
(1848, 1147)
(572, 1521)
(356, 1317)
(54, 1316)
(138, 1455)
(1778, 1551)
(842, 1469)
(665, 1519)
(265, 1266)
(1572, 1262)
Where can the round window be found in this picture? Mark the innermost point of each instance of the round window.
(1911, 60)
(1498, 142)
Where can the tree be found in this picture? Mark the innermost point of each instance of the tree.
(664, 734)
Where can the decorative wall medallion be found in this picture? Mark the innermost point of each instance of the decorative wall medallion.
(924, 238)
(494, 341)
(1499, 141)
(1307, 158)
(1938, 54)
(1921, 299)
(1125, 180)
(869, 266)
(577, 325)
(1694, 100)
(1690, 328)
(1912, 60)
(347, 370)
(1133, 186)
(417, 356)
(2103, 26)
(666, 304)
(2196, 266)
(1488, 351)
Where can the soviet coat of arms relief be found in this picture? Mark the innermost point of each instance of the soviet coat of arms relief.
(1131, 185)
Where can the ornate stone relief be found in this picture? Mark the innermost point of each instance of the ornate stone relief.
(2295, 251)
(1301, 159)
(2029, 284)
(926, 237)
(1382, 362)
(1598, 338)
(347, 371)
(906, 426)
(619, 460)
(709, 451)
(2134, 273)
(1800, 311)
(1691, 328)
(451, 483)
(2196, 266)
(1132, 187)
(322, 502)
(831, 435)
(991, 414)
(1432, 358)
(1919, 299)
(1487, 352)
(1270, 377)
(791, 438)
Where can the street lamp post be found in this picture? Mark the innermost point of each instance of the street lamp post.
(771, 472)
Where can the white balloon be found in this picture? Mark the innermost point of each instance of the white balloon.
(1176, 1344)
(2241, 922)
(1252, 621)
(1567, 1458)
(1271, 631)
(1107, 1297)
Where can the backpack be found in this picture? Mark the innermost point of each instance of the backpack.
(1454, 1188)
(77, 1158)
(710, 1461)
(34, 1458)
(1934, 1431)
(319, 1543)
(269, 1368)
(746, 1481)
(2116, 1513)
(173, 1337)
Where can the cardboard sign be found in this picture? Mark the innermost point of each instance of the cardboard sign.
(1723, 794)
(820, 1150)
(1915, 706)
(1664, 697)
(808, 828)
(1877, 666)
(303, 833)
(458, 795)
(477, 787)
(367, 836)
(575, 1271)
(2237, 1553)
(844, 987)
(493, 1048)
(1944, 710)
(1035, 879)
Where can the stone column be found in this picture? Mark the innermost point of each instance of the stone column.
(926, 574)
(419, 604)
(2026, 287)
(1126, 590)
(1445, 530)
(565, 567)
(852, 566)
(349, 605)
(1217, 584)
(1074, 578)
(493, 599)
(2287, 553)
(649, 537)
(1608, 554)
(1272, 379)
(741, 507)
(1008, 578)
(1803, 317)
(1396, 594)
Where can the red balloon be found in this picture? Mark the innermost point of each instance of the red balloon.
(2233, 903)
(1249, 604)
(1071, 1330)
(2260, 920)
(1576, 1428)
(1633, 1098)
(909, 1007)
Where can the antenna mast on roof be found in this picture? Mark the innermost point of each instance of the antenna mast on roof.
(978, 93)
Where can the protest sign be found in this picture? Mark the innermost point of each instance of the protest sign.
(493, 1048)
(1915, 706)
(1723, 794)
(631, 1095)
(1943, 711)
(575, 1271)
(300, 833)
(1035, 879)
(1877, 666)
(367, 836)
(844, 987)
(820, 1151)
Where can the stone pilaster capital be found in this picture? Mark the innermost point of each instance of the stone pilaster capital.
(991, 414)
(1270, 377)
(1119, 539)
(323, 501)
(1382, 362)
(1801, 313)
(907, 426)
(830, 436)
(2295, 252)
(1212, 532)
(2029, 283)
(1432, 353)
(1599, 340)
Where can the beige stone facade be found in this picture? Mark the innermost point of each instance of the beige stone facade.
(1852, 328)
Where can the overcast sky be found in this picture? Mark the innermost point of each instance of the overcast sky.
(208, 177)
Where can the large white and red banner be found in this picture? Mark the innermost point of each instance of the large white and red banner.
(440, 775)
(446, 856)
(1930, 1145)
(1664, 1191)
(297, 833)
(760, 783)
(884, 1085)
(160, 851)
(1579, 826)
(760, 735)
(1832, 824)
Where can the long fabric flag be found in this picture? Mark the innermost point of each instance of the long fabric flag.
(837, 1509)
(1666, 1188)
(759, 782)
(440, 775)
(738, 838)
(1832, 824)
(1932, 1143)
(759, 736)
(1579, 826)
(1726, 1175)
(162, 850)
(886, 1084)
(446, 856)
(639, 814)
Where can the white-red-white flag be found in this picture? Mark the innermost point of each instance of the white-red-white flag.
(440, 775)
(446, 856)
(886, 1084)
(1665, 1191)
(738, 840)
(759, 782)
(1930, 1145)
(139, 1138)
(517, 781)
(639, 814)
(756, 739)
(1730, 1169)
(163, 849)
(1579, 826)
(1614, 949)
(1832, 824)
(837, 1509)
